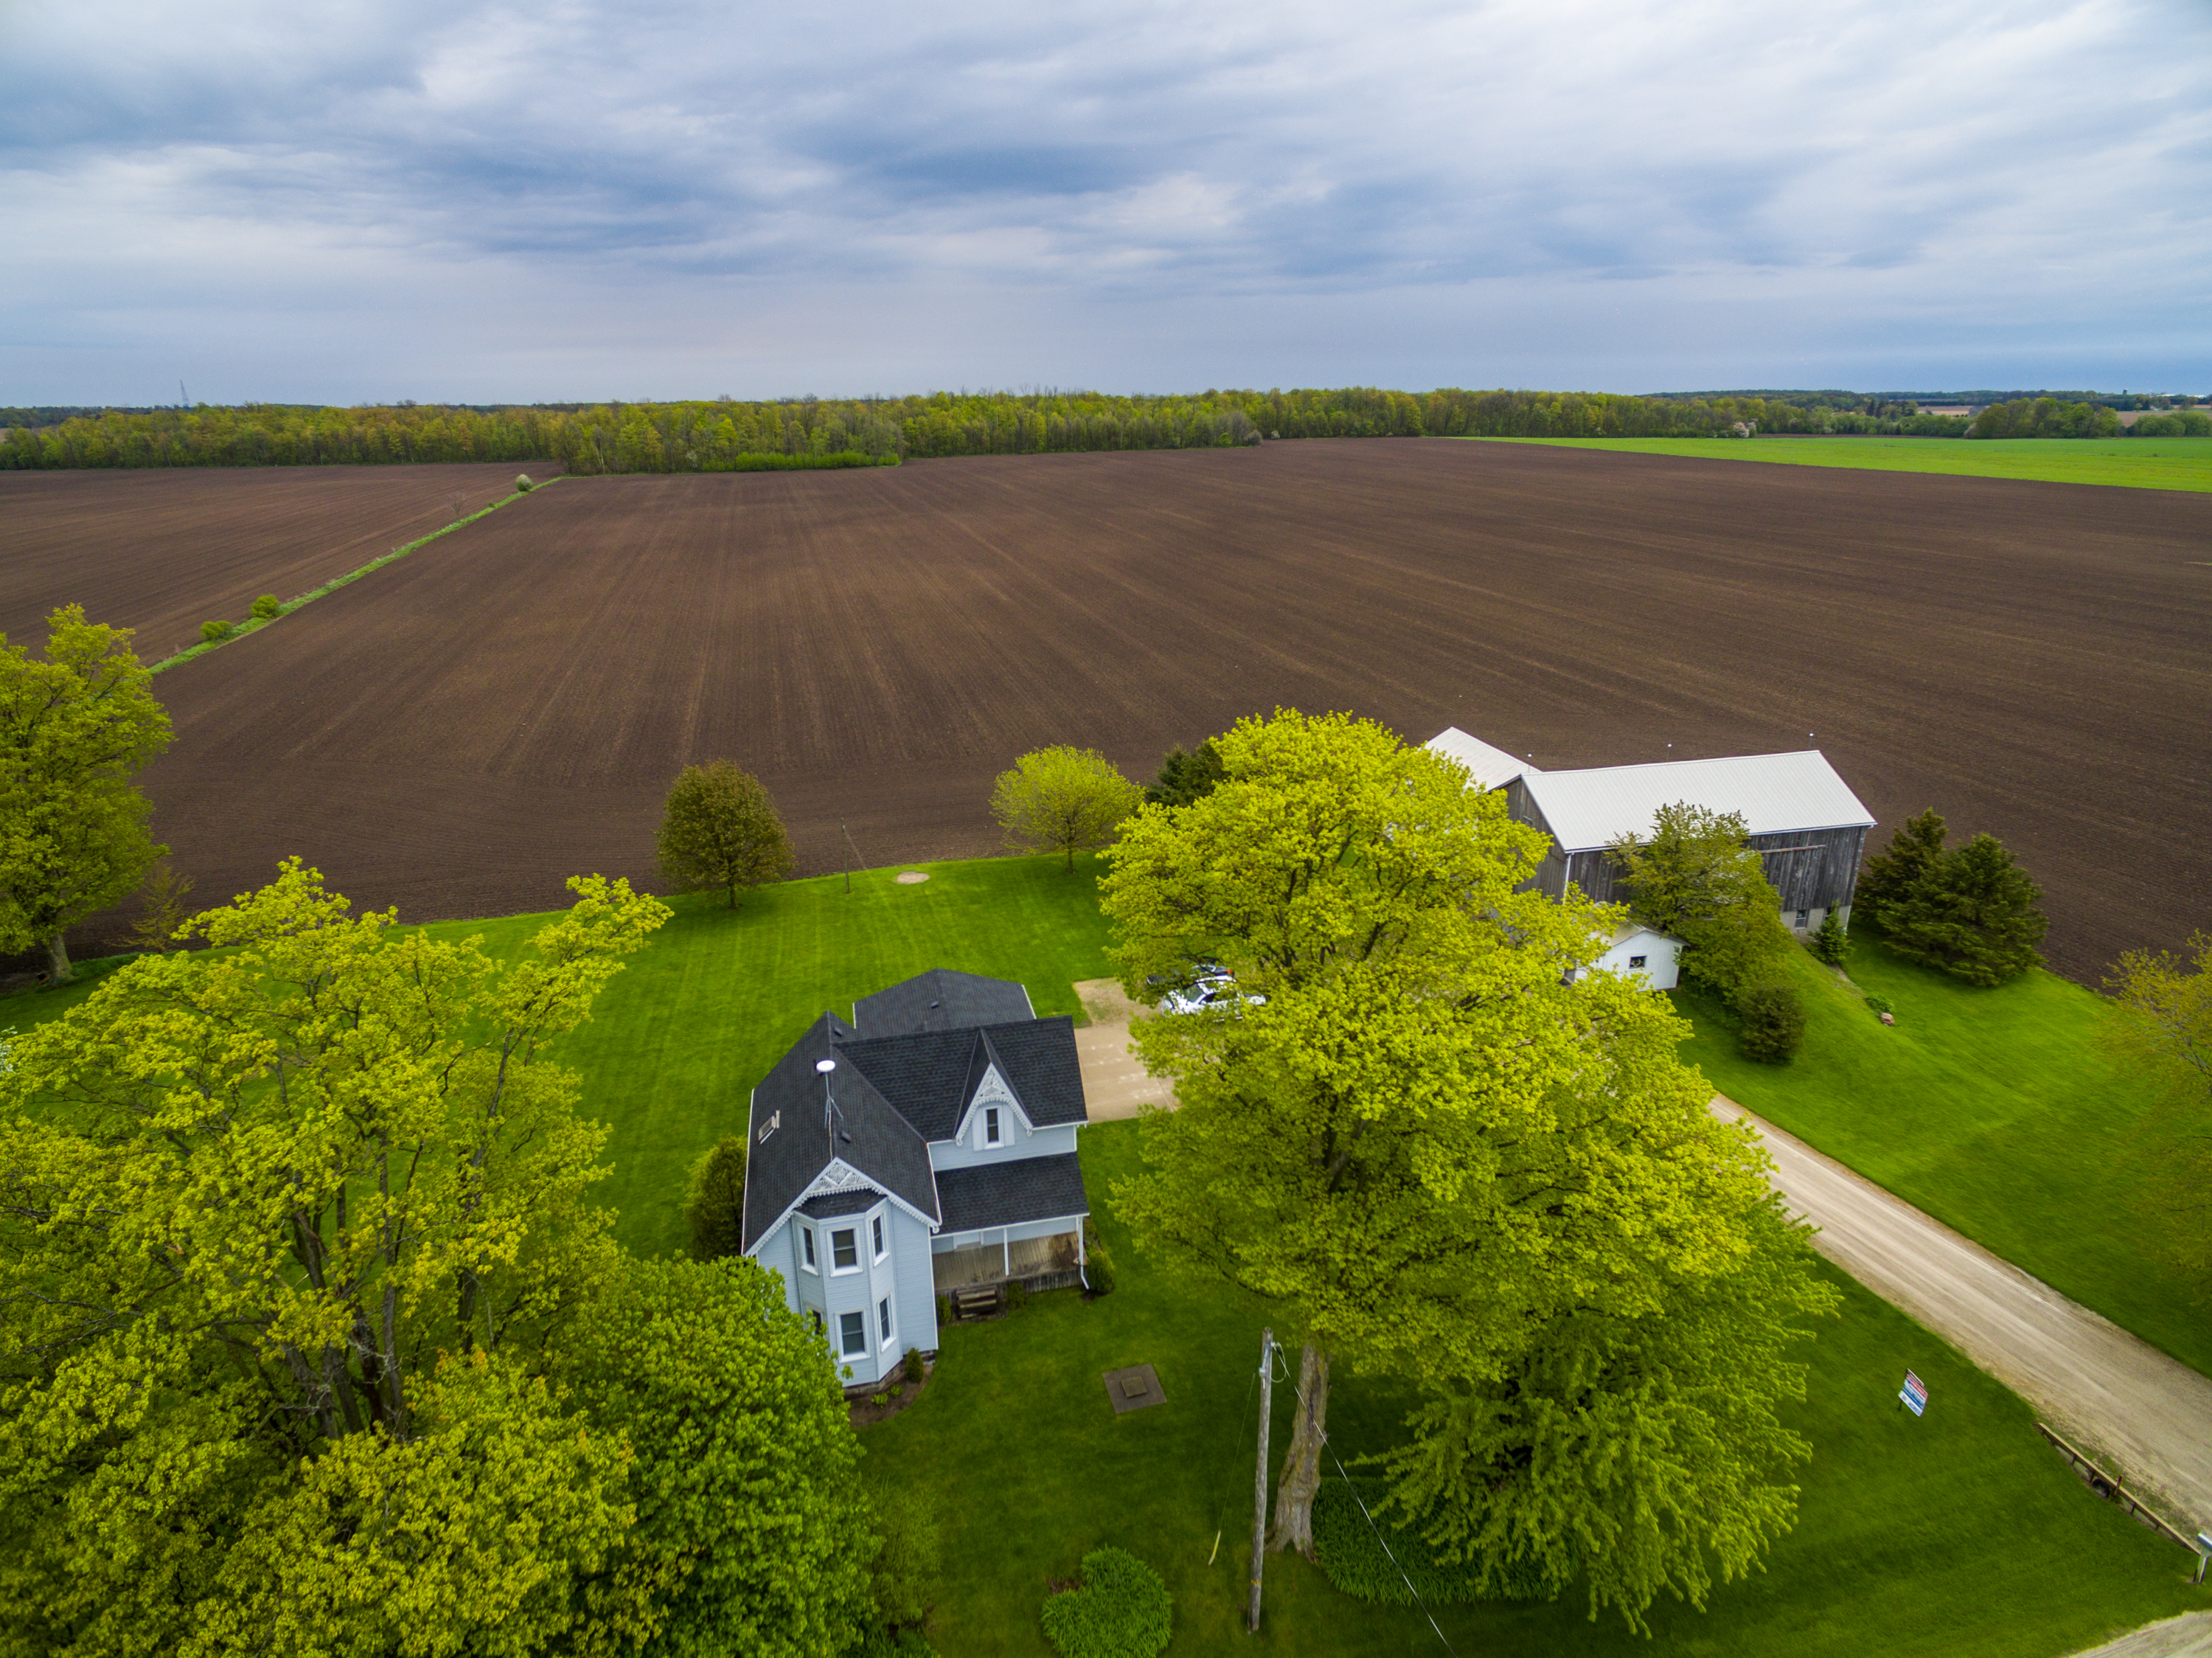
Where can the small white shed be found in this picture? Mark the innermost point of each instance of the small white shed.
(1640, 950)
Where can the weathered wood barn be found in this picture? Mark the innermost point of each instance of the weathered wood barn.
(1807, 826)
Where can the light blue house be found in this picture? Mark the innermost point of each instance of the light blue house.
(925, 1145)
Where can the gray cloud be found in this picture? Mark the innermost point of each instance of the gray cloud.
(1621, 194)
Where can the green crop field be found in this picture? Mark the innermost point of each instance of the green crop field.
(1993, 1109)
(2140, 463)
(1960, 1533)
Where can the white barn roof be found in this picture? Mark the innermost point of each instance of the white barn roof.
(1494, 768)
(1774, 793)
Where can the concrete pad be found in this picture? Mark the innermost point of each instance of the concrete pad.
(1115, 1084)
(1136, 1388)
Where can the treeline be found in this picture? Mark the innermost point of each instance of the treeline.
(724, 434)
(2045, 417)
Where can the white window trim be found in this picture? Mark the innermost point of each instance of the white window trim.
(808, 1260)
(880, 1239)
(993, 1127)
(845, 1352)
(887, 1314)
(858, 1265)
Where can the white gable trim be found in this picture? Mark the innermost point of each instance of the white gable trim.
(992, 1090)
(842, 1176)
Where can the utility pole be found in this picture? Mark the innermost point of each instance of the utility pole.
(853, 849)
(1260, 1477)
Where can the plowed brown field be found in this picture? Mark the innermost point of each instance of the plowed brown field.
(462, 730)
(164, 550)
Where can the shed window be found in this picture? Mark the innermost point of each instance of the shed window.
(878, 1223)
(1637, 961)
(852, 1333)
(845, 1250)
(883, 1318)
(1803, 916)
(807, 1249)
(991, 1126)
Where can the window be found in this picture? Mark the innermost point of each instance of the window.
(1801, 916)
(991, 1126)
(878, 1223)
(884, 1319)
(1636, 960)
(807, 1249)
(852, 1333)
(845, 1250)
(814, 1316)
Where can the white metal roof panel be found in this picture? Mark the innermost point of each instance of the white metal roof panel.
(1494, 768)
(1775, 794)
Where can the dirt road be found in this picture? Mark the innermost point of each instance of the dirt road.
(2101, 1386)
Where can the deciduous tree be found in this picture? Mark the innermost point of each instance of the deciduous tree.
(287, 1229)
(1695, 878)
(1637, 1453)
(74, 729)
(1062, 800)
(2163, 1031)
(720, 832)
(1425, 1142)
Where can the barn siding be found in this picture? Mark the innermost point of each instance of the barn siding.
(1551, 876)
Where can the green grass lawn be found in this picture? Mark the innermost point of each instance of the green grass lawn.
(677, 1040)
(2141, 463)
(1960, 1533)
(1993, 1109)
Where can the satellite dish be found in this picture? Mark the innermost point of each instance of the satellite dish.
(823, 1067)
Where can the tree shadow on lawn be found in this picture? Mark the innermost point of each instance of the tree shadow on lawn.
(1958, 1533)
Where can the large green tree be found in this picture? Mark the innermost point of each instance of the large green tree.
(1636, 1452)
(1694, 877)
(2163, 1033)
(1973, 913)
(752, 1534)
(74, 729)
(1062, 800)
(720, 833)
(1425, 1143)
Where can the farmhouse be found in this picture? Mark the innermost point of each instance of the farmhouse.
(925, 1145)
(1807, 826)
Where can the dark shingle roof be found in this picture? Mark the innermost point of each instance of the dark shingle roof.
(1010, 1192)
(874, 1139)
(931, 1077)
(939, 1000)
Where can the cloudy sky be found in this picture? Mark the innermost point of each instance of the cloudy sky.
(449, 200)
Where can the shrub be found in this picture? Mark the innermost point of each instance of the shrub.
(1097, 1262)
(523, 485)
(267, 606)
(1123, 1610)
(907, 1574)
(894, 1644)
(1353, 1559)
(216, 632)
(1773, 1022)
(943, 1311)
(912, 1365)
(1831, 943)
(714, 1206)
(1879, 1005)
(1018, 1296)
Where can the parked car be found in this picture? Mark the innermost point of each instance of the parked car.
(1192, 972)
(1212, 994)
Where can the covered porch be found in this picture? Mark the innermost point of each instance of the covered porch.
(1002, 1255)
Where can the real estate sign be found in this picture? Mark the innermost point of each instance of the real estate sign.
(1914, 1394)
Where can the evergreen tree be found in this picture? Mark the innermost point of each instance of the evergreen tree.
(1831, 943)
(1773, 1022)
(714, 1209)
(1185, 774)
(1972, 913)
(720, 832)
(1895, 872)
